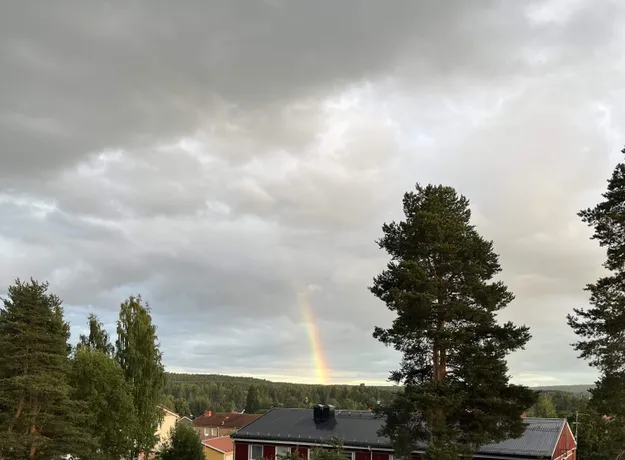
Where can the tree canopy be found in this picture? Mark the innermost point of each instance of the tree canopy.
(38, 419)
(98, 338)
(223, 393)
(440, 284)
(138, 354)
(99, 382)
(183, 444)
(601, 327)
(252, 400)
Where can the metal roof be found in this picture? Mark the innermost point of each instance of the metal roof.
(360, 429)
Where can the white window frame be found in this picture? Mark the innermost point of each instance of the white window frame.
(213, 431)
(206, 431)
(251, 451)
(286, 448)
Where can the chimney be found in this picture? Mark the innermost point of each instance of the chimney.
(208, 413)
(323, 413)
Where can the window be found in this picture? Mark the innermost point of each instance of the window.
(213, 431)
(282, 451)
(349, 455)
(255, 452)
(206, 430)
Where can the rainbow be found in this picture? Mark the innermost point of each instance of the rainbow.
(319, 360)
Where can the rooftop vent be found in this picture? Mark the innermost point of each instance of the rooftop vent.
(323, 413)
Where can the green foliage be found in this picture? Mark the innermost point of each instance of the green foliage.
(98, 338)
(38, 418)
(184, 444)
(566, 404)
(332, 452)
(137, 352)
(181, 407)
(252, 401)
(597, 438)
(99, 382)
(544, 407)
(222, 393)
(440, 284)
(292, 455)
(601, 327)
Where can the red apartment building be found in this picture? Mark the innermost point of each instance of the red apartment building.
(297, 430)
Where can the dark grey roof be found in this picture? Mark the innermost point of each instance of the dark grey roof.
(538, 440)
(360, 429)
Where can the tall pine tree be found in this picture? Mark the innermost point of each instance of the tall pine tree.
(137, 352)
(439, 282)
(601, 328)
(38, 417)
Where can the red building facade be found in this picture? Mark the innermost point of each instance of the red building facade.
(293, 430)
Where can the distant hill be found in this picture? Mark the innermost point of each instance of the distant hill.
(195, 393)
(575, 389)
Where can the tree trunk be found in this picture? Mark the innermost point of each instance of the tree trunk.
(443, 365)
(440, 355)
(33, 449)
(20, 408)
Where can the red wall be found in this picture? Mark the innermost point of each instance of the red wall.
(269, 452)
(566, 443)
(240, 450)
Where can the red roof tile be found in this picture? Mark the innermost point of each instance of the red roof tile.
(225, 420)
(223, 444)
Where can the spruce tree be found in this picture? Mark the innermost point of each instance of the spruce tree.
(38, 418)
(456, 392)
(252, 400)
(601, 327)
(137, 352)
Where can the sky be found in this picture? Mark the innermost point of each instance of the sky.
(234, 161)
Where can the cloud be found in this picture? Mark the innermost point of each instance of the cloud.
(219, 157)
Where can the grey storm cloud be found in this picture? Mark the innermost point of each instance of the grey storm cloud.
(224, 157)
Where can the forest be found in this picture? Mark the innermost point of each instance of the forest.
(193, 394)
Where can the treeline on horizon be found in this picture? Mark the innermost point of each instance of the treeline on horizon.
(193, 394)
